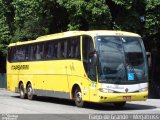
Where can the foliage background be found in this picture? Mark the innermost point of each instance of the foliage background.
(22, 20)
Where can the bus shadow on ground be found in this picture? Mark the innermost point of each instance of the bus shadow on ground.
(95, 106)
(111, 107)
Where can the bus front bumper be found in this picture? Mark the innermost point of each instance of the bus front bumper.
(120, 97)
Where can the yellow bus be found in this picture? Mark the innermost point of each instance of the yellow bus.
(85, 66)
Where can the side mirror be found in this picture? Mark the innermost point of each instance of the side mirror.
(148, 54)
(93, 58)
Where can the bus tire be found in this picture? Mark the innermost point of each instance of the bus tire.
(78, 97)
(30, 94)
(21, 91)
(119, 104)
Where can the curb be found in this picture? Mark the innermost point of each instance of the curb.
(3, 88)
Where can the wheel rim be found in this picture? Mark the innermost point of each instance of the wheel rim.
(78, 97)
(29, 91)
(22, 91)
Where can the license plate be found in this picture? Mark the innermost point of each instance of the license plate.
(127, 97)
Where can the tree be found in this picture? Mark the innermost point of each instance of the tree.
(6, 25)
(22, 20)
(87, 14)
(126, 14)
(28, 20)
(153, 24)
(54, 16)
(6, 30)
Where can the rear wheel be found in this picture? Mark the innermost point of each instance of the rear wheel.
(119, 104)
(78, 97)
(30, 94)
(21, 91)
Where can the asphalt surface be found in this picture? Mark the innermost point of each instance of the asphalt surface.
(10, 103)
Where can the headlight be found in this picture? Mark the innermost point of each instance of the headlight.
(104, 90)
(143, 89)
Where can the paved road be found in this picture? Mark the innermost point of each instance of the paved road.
(10, 103)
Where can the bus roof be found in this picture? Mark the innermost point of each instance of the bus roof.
(77, 33)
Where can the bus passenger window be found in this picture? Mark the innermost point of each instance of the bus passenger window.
(65, 48)
(70, 49)
(55, 50)
(12, 54)
(26, 52)
(73, 47)
(40, 52)
(77, 49)
(33, 52)
(62, 50)
(58, 50)
(50, 50)
(38, 56)
(20, 53)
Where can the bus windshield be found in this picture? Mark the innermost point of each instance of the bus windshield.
(121, 60)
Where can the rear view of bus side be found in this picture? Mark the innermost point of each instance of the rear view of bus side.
(94, 66)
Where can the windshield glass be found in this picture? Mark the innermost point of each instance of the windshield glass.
(121, 60)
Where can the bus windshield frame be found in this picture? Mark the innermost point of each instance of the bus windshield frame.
(121, 60)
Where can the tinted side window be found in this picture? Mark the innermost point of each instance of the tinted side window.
(20, 53)
(70, 49)
(27, 52)
(77, 48)
(12, 54)
(56, 49)
(62, 50)
(73, 48)
(33, 52)
(47, 50)
(39, 51)
(51, 50)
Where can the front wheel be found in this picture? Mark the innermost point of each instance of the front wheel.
(78, 97)
(119, 104)
(30, 92)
